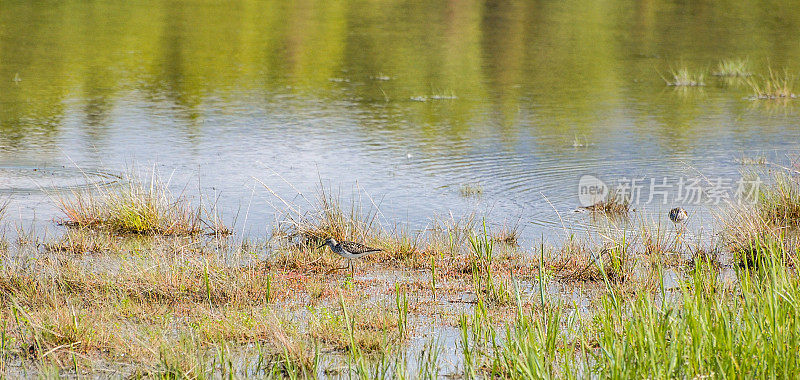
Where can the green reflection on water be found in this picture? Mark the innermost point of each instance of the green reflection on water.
(554, 67)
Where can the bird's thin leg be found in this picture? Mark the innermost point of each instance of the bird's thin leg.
(338, 269)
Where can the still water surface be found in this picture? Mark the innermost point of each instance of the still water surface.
(404, 101)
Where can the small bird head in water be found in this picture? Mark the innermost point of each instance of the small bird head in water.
(678, 215)
(329, 241)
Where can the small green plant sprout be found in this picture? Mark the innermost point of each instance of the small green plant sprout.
(401, 303)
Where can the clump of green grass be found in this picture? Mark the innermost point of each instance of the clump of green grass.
(135, 207)
(450, 234)
(469, 190)
(772, 220)
(705, 330)
(373, 328)
(779, 202)
(488, 286)
(773, 86)
(402, 247)
(684, 78)
(732, 68)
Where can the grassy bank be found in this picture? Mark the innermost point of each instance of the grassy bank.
(105, 300)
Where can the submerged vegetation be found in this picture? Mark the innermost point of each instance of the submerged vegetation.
(195, 306)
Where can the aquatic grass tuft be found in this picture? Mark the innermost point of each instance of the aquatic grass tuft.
(135, 207)
(779, 202)
(684, 78)
(578, 261)
(326, 217)
(774, 86)
(401, 303)
(469, 190)
(580, 142)
(733, 68)
(403, 248)
(615, 204)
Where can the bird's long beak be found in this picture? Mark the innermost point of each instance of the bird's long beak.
(321, 245)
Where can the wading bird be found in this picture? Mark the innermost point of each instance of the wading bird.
(678, 215)
(349, 250)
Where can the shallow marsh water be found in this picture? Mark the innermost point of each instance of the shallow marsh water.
(403, 101)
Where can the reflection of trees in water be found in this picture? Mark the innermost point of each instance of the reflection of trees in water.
(567, 65)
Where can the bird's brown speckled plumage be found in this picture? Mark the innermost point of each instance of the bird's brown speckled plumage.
(356, 248)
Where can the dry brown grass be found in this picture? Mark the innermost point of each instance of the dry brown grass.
(327, 218)
(303, 259)
(82, 240)
(507, 234)
(402, 248)
(3, 207)
(580, 261)
(772, 221)
(119, 307)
